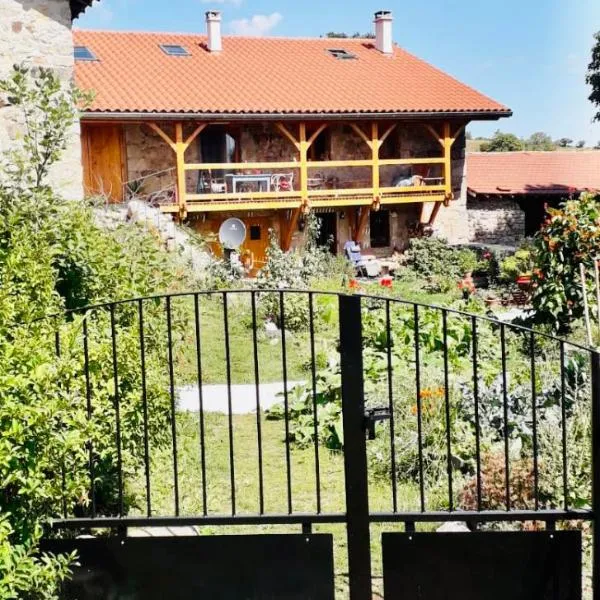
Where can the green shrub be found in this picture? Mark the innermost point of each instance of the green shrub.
(519, 263)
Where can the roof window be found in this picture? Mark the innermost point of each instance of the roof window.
(341, 54)
(174, 50)
(83, 53)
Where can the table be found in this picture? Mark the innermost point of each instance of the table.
(263, 180)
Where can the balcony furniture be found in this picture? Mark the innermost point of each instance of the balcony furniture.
(282, 182)
(207, 184)
(262, 180)
(316, 183)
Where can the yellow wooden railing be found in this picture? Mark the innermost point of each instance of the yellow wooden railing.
(303, 198)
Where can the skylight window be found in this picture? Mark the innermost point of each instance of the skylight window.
(83, 53)
(341, 54)
(174, 50)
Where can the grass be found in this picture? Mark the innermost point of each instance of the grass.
(218, 486)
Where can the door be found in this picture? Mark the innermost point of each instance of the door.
(328, 231)
(254, 249)
(103, 161)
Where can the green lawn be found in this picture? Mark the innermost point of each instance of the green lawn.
(246, 482)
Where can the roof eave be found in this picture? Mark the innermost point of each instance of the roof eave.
(282, 116)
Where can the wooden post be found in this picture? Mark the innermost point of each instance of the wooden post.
(179, 146)
(303, 142)
(361, 225)
(375, 145)
(180, 149)
(448, 141)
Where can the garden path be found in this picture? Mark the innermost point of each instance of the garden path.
(243, 397)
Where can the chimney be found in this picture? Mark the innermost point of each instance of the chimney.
(213, 29)
(383, 32)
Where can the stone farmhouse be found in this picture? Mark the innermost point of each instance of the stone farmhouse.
(358, 131)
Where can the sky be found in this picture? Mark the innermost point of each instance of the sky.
(531, 55)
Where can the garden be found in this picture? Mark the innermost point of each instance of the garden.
(486, 416)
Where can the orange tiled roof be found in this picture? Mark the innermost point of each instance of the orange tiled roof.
(505, 173)
(266, 75)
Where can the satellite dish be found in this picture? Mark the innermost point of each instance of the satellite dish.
(232, 233)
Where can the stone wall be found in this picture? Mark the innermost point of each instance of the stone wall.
(151, 160)
(38, 34)
(495, 221)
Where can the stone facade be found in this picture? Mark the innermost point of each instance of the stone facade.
(38, 34)
(495, 221)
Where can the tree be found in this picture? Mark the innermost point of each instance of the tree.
(468, 135)
(503, 142)
(356, 35)
(540, 141)
(597, 146)
(580, 144)
(593, 76)
(564, 142)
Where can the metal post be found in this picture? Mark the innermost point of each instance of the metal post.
(355, 449)
(596, 472)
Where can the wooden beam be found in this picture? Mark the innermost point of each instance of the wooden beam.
(195, 134)
(291, 227)
(180, 149)
(303, 164)
(162, 134)
(362, 223)
(375, 145)
(458, 131)
(435, 134)
(316, 134)
(361, 133)
(288, 135)
(387, 132)
(434, 213)
(448, 141)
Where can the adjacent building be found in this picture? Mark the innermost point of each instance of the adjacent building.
(508, 192)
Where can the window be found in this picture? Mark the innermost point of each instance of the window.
(379, 222)
(174, 50)
(341, 54)
(83, 53)
(255, 233)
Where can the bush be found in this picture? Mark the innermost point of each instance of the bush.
(53, 256)
(569, 238)
(443, 265)
(519, 263)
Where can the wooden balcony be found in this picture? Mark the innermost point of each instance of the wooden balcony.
(304, 190)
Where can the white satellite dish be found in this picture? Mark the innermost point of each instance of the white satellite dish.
(232, 233)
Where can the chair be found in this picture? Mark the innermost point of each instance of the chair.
(353, 254)
(207, 184)
(282, 182)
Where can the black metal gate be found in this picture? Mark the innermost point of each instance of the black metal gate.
(417, 563)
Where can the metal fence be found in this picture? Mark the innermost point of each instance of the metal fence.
(437, 369)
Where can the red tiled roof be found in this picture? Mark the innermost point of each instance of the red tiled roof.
(265, 75)
(505, 173)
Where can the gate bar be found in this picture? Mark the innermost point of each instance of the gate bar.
(596, 473)
(355, 453)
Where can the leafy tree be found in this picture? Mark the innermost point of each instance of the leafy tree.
(593, 75)
(564, 142)
(503, 142)
(355, 35)
(570, 237)
(580, 144)
(540, 141)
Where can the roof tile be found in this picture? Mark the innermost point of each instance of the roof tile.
(498, 173)
(265, 75)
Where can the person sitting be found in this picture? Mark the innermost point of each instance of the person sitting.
(410, 181)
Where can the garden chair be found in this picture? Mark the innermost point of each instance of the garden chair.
(282, 182)
(353, 254)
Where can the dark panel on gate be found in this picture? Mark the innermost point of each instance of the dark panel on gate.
(236, 567)
(482, 565)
